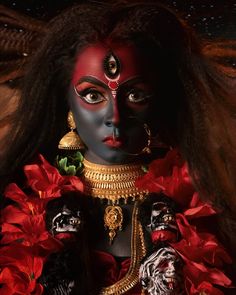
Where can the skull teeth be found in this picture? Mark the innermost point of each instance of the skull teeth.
(168, 218)
(171, 283)
(170, 280)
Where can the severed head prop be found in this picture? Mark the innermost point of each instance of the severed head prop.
(162, 217)
(64, 214)
(161, 272)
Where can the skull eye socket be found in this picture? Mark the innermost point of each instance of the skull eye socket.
(163, 264)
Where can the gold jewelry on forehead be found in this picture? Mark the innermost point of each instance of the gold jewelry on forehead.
(111, 65)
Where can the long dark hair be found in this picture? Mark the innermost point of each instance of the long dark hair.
(194, 111)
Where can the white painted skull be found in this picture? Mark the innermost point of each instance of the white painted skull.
(66, 221)
(161, 273)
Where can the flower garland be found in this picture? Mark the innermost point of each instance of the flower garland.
(203, 256)
(26, 243)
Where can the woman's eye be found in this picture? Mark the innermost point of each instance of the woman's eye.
(137, 96)
(91, 96)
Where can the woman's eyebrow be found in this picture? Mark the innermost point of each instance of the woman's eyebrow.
(92, 80)
(132, 80)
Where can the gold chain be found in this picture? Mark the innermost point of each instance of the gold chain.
(138, 251)
(115, 183)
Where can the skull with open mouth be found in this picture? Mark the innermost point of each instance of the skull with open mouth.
(162, 217)
(161, 272)
(66, 221)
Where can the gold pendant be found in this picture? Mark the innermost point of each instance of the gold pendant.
(113, 220)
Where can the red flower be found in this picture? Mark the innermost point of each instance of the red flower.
(205, 288)
(201, 254)
(26, 204)
(13, 215)
(17, 283)
(199, 273)
(197, 208)
(169, 176)
(31, 231)
(47, 181)
(199, 247)
(21, 271)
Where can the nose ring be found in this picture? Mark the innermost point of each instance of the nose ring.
(115, 133)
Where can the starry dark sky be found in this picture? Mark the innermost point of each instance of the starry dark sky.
(212, 18)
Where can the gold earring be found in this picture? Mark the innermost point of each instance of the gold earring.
(71, 140)
(147, 148)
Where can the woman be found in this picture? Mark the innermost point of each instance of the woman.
(132, 75)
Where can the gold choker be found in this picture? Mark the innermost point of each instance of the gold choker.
(113, 183)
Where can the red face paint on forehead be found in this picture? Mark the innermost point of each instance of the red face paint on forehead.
(94, 61)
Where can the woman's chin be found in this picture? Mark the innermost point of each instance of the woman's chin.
(112, 157)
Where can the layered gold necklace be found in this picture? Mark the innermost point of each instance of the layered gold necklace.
(114, 184)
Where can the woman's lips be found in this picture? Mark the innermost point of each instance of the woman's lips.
(114, 142)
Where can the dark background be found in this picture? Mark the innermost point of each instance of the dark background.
(212, 18)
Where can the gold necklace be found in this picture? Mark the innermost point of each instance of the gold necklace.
(138, 251)
(115, 184)
(112, 182)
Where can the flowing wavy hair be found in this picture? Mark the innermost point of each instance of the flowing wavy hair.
(195, 106)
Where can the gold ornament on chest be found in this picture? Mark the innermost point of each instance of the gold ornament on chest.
(113, 220)
(114, 184)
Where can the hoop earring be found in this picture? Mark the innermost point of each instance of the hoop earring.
(147, 148)
(71, 140)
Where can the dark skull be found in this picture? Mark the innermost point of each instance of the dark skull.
(162, 217)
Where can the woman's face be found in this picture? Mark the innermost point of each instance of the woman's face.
(111, 100)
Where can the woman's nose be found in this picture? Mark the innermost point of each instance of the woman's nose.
(113, 114)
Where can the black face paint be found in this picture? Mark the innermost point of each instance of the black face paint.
(110, 101)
